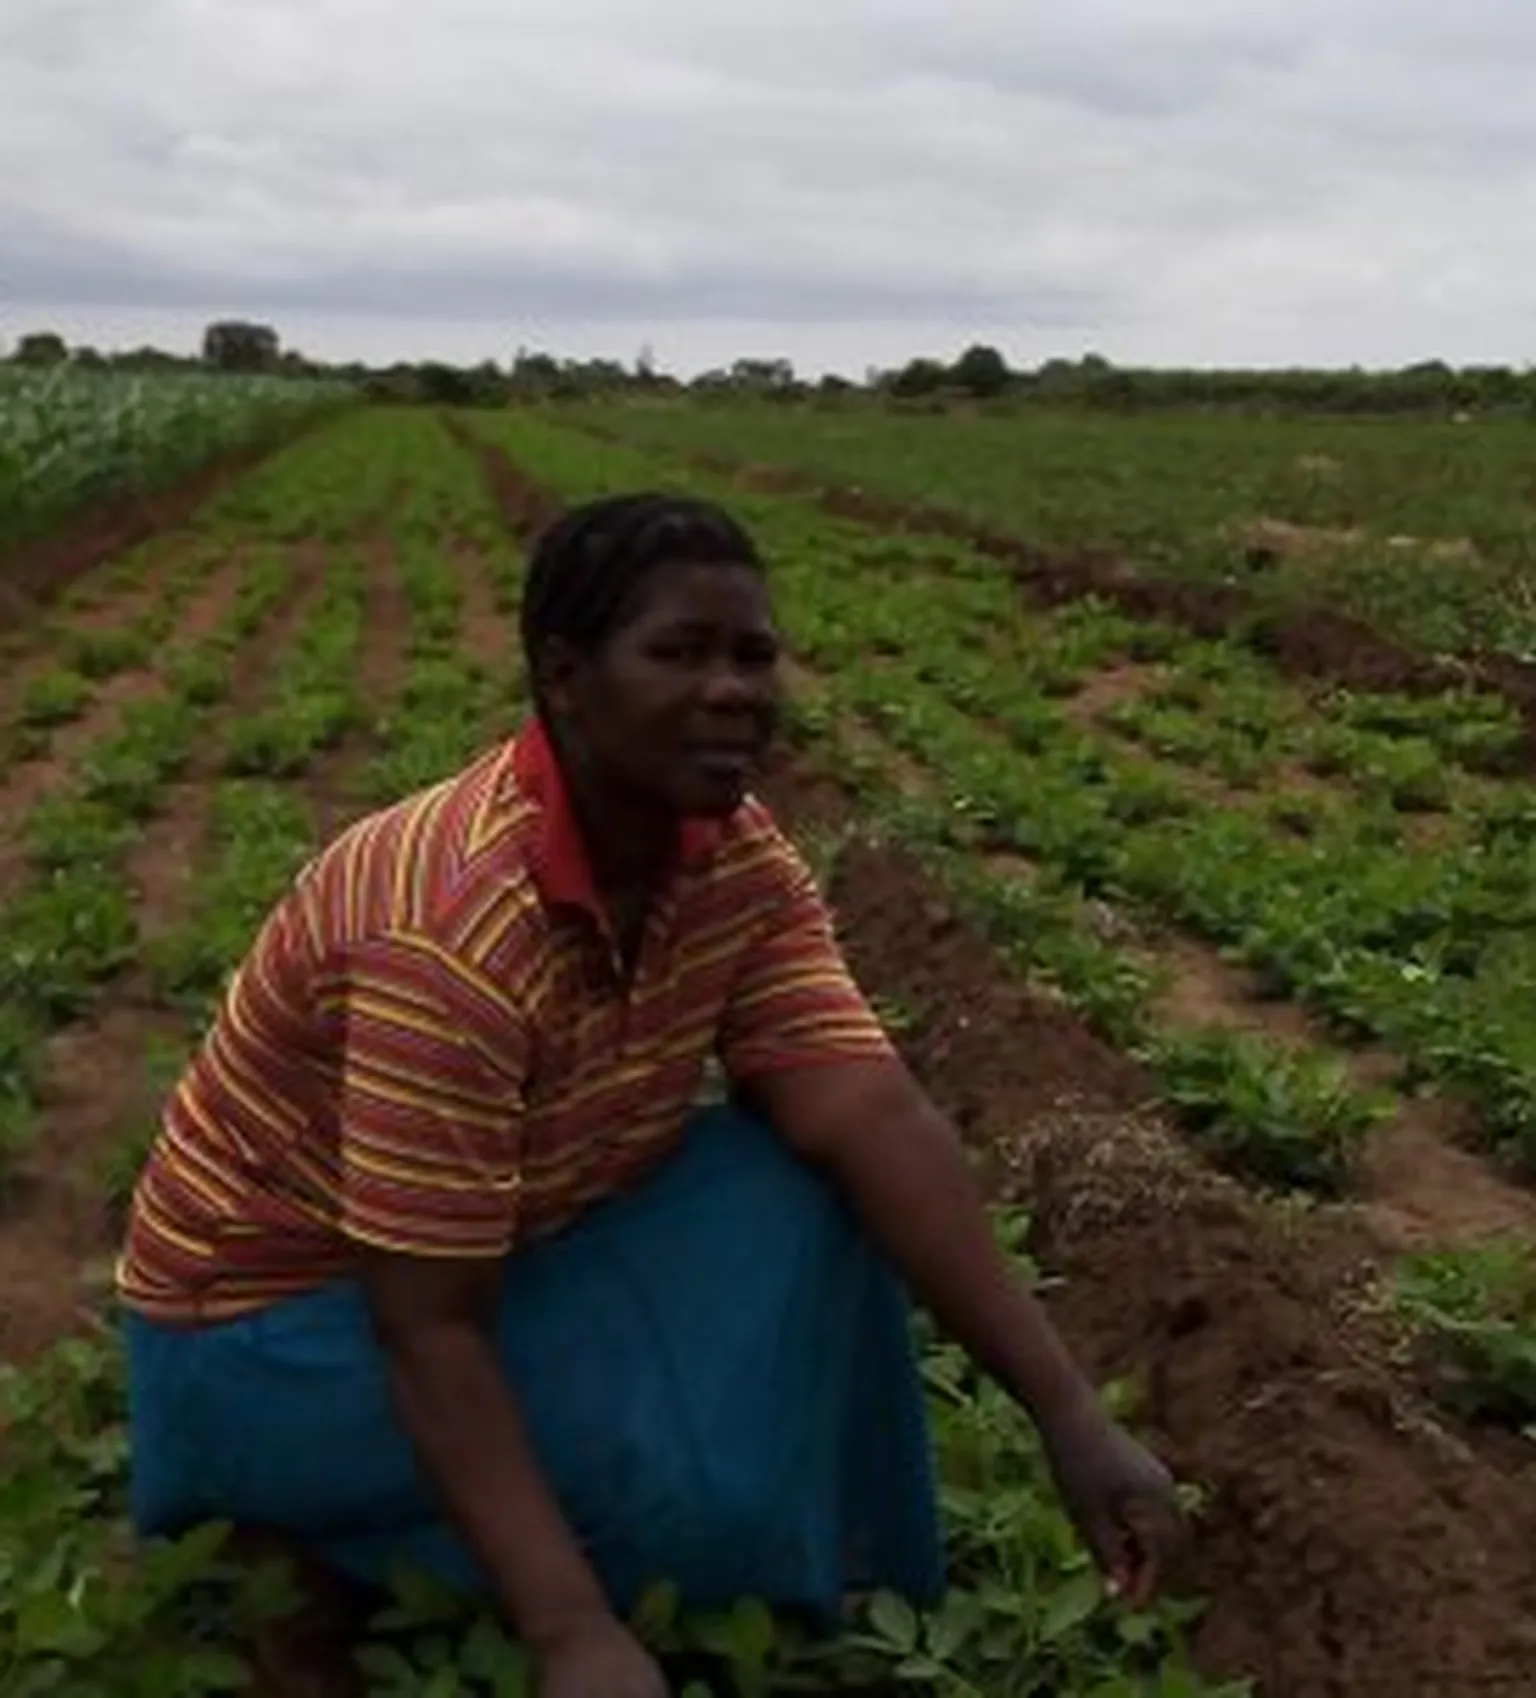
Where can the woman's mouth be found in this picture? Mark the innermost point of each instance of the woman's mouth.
(722, 762)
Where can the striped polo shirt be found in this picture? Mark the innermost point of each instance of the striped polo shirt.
(432, 1047)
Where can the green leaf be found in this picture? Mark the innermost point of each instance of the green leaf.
(753, 1632)
(386, 1665)
(209, 1670)
(47, 1623)
(1070, 1606)
(489, 1655)
(445, 1683)
(956, 1624)
(654, 1617)
(896, 1622)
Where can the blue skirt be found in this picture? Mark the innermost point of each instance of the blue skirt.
(716, 1370)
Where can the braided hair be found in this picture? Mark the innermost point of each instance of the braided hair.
(589, 567)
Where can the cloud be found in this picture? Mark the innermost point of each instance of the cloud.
(1194, 180)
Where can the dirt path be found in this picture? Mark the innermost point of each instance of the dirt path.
(1349, 1549)
(489, 636)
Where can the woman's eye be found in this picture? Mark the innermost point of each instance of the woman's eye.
(701, 650)
(677, 651)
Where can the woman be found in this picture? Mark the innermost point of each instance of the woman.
(437, 1258)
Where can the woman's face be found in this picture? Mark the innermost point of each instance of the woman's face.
(678, 709)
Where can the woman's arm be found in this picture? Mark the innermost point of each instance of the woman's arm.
(800, 1039)
(434, 1321)
(871, 1126)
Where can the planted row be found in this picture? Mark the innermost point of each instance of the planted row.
(72, 926)
(71, 438)
(1421, 528)
(84, 656)
(1290, 1118)
(1277, 1114)
(1429, 949)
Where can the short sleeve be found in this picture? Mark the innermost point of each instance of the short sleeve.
(433, 1066)
(794, 1002)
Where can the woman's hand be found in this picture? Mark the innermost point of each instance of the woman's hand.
(596, 1657)
(1121, 1498)
(900, 1161)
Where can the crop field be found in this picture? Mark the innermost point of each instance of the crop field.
(1424, 529)
(1218, 944)
(75, 443)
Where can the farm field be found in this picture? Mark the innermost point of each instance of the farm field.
(1423, 529)
(105, 444)
(1227, 973)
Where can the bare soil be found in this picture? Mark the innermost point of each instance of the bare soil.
(489, 636)
(1111, 687)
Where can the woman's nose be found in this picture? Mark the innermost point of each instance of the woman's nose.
(731, 686)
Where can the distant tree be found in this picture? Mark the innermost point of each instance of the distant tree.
(41, 348)
(490, 384)
(444, 385)
(918, 377)
(147, 358)
(831, 391)
(766, 377)
(981, 371)
(593, 377)
(395, 383)
(235, 345)
(534, 374)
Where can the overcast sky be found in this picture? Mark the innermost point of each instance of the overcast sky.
(839, 181)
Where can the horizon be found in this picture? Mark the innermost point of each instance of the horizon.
(1233, 184)
(181, 335)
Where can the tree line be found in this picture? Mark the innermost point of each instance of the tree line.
(980, 376)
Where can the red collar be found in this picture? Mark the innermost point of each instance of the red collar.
(560, 863)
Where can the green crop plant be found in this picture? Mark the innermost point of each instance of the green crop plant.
(70, 439)
(1475, 1310)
